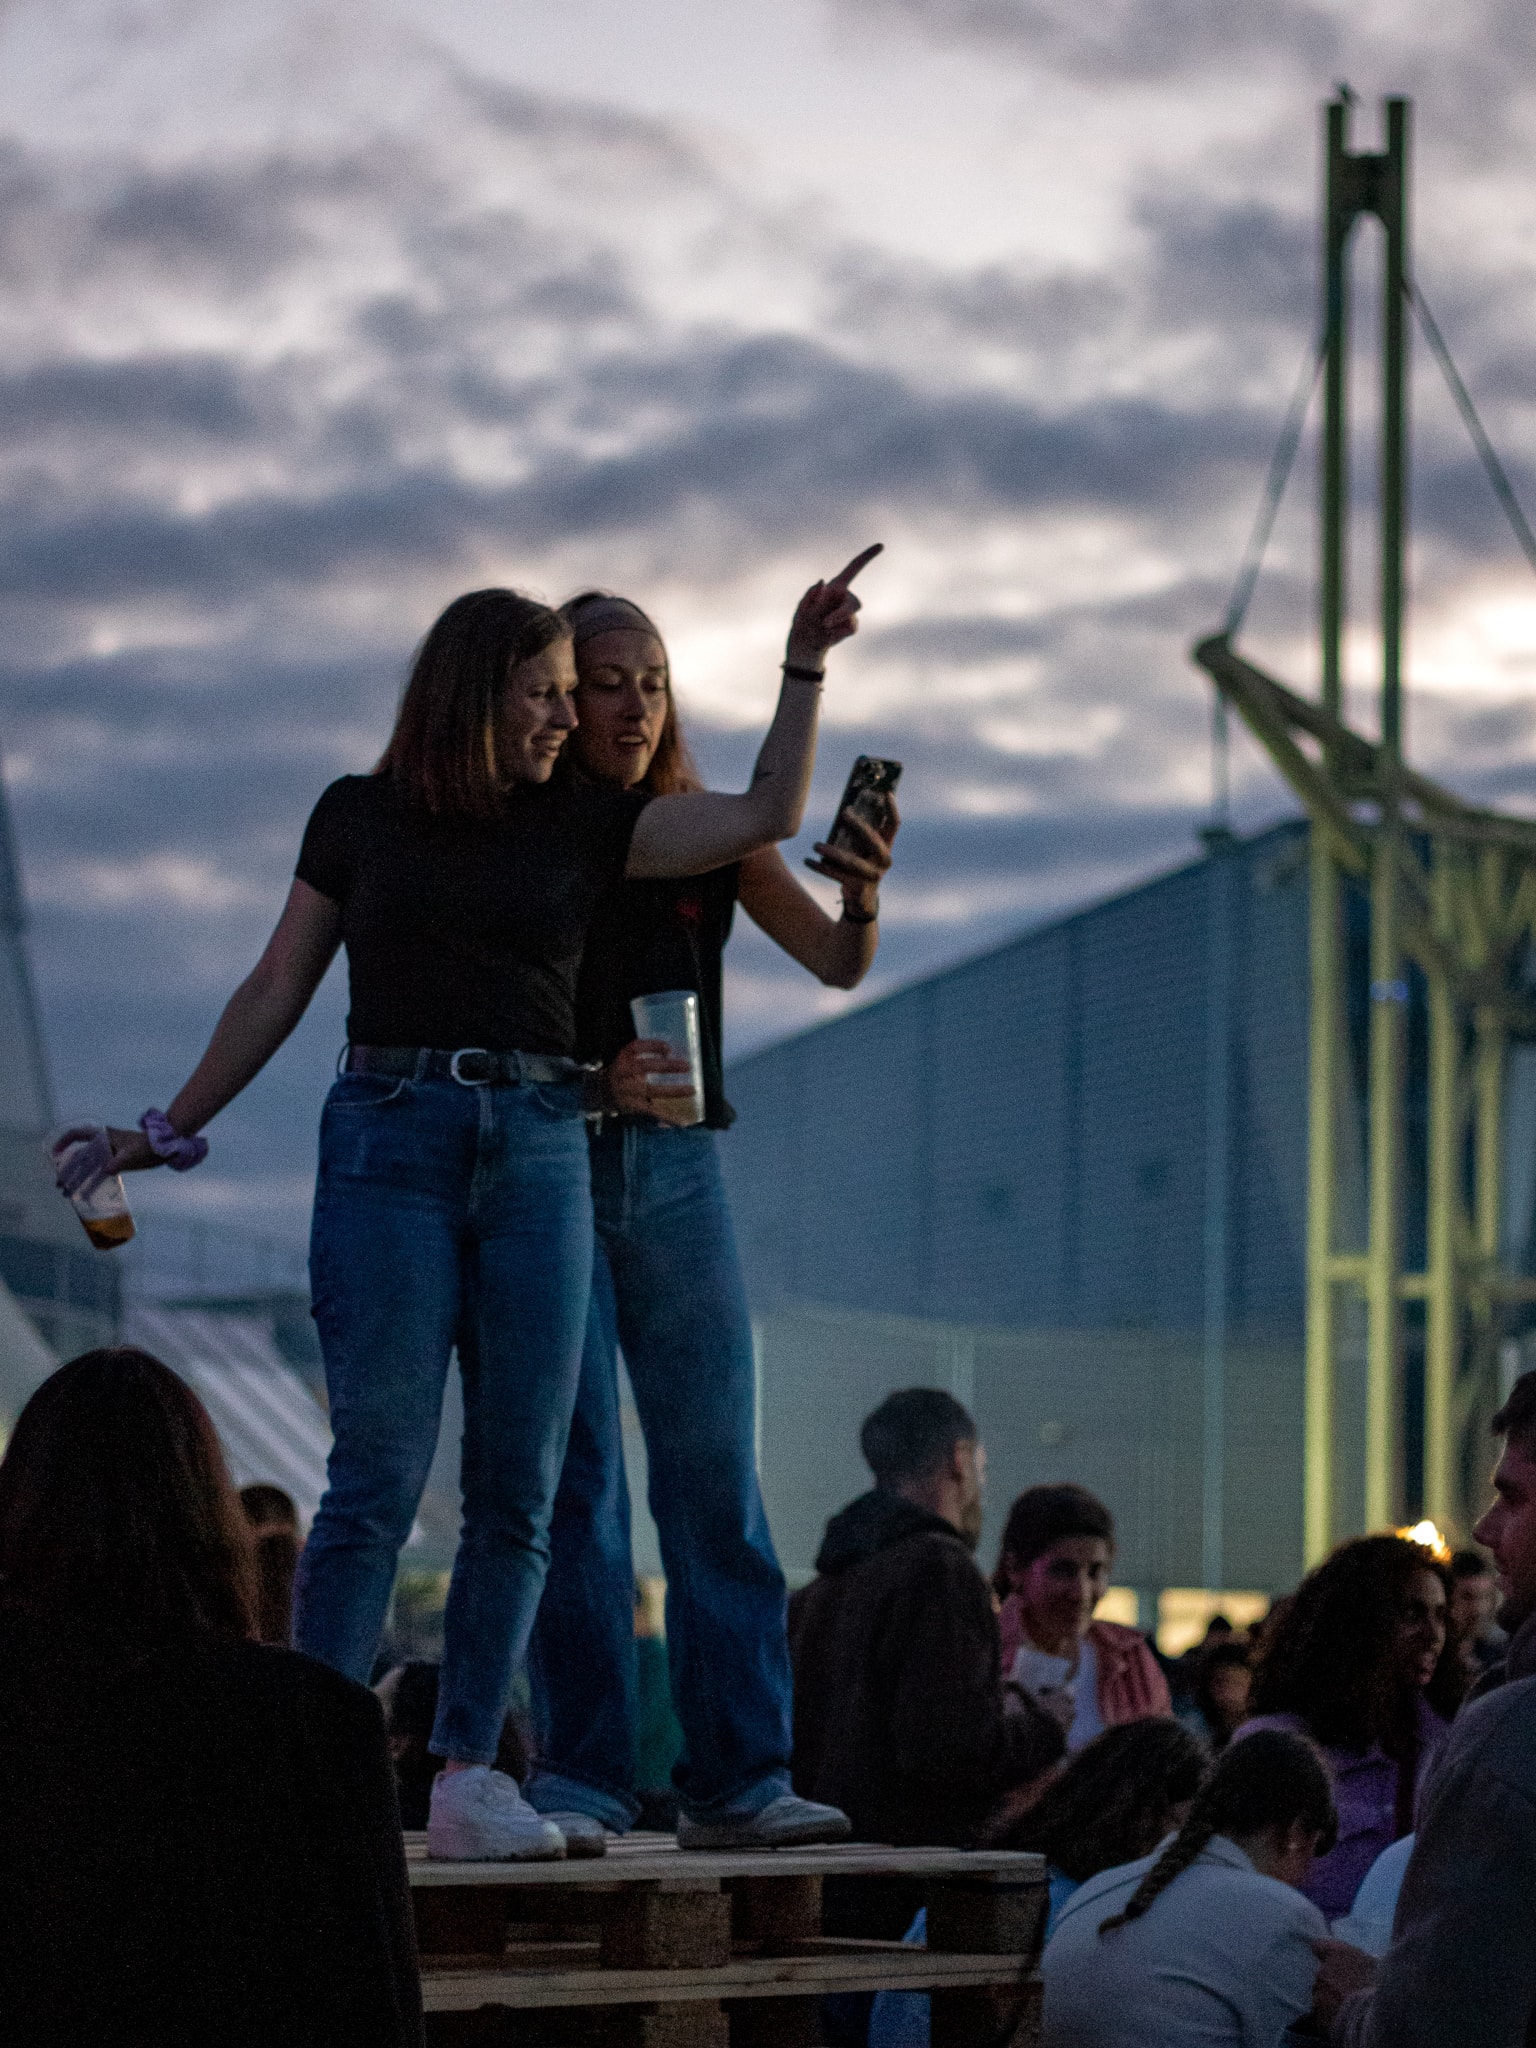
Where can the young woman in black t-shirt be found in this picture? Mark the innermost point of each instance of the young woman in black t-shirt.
(452, 1207)
(668, 1290)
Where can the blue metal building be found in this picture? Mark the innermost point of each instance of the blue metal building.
(1068, 1180)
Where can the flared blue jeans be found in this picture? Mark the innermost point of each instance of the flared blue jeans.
(667, 1287)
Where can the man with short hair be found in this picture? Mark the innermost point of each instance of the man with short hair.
(900, 1717)
(1461, 1971)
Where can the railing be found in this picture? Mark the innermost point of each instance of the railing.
(173, 1260)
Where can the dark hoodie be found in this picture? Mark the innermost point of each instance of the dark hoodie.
(899, 1715)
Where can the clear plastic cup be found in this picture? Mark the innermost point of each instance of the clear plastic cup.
(104, 1214)
(674, 1016)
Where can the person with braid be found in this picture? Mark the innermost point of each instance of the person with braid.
(1115, 1800)
(1207, 1940)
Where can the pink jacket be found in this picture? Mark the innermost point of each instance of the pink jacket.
(1130, 1685)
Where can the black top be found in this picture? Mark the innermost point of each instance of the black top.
(461, 932)
(651, 936)
(198, 1845)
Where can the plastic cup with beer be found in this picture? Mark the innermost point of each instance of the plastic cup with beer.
(103, 1209)
(674, 1016)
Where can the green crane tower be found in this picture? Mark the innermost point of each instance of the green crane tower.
(1452, 889)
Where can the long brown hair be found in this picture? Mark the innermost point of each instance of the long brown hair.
(116, 1512)
(672, 771)
(1270, 1779)
(1112, 1803)
(442, 753)
(1329, 1657)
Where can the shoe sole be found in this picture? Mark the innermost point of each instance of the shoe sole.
(538, 1855)
(790, 1838)
(583, 1848)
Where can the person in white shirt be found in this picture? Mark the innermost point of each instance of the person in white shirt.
(1207, 1943)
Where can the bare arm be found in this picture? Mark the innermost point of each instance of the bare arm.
(838, 951)
(257, 1018)
(689, 835)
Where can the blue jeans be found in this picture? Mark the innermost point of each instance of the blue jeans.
(667, 1287)
(445, 1215)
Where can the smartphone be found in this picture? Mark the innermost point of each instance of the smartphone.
(868, 795)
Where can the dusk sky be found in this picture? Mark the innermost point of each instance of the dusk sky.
(315, 316)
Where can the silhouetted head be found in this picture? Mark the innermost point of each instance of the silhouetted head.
(922, 1444)
(116, 1512)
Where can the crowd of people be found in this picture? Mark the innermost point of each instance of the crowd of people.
(1341, 1848)
(1328, 1825)
(1325, 1830)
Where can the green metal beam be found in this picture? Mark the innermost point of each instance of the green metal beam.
(1451, 886)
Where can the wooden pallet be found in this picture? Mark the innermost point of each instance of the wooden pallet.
(654, 1947)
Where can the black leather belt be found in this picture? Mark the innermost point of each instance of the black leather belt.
(471, 1066)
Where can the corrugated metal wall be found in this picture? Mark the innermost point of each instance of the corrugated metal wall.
(1007, 1166)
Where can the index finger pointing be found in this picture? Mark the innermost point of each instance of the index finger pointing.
(846, 576)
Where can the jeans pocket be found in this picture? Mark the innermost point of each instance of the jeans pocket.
(366, 1091)
(561, 1101)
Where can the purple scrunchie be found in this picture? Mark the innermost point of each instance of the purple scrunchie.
(167, 1143)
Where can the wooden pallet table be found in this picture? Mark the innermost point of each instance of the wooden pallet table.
(654, 1947)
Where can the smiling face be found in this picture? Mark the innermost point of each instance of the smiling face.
(1059, 1589)
(1420, 1634)
(622, 698)
(536, 714)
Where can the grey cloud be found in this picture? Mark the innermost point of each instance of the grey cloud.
(1472, 81)
(877, 299)
(1127, 38)
(778, 435)
(1454, 505)
(963, 641)
(205, 396)
(133, 548)
(597, 135)
(1173, 613)
(1242, 263)
(241, 220)
(771, 418)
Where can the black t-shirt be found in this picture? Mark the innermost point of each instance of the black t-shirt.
(465, 932)
(650, 936)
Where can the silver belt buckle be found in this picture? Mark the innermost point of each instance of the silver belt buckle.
(466, 1052)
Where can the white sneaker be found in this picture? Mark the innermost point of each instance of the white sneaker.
(479, 1816)
(584, 1835)
(784, 1823)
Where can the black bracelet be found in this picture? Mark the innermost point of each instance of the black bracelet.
(803, 675)
(860, 917)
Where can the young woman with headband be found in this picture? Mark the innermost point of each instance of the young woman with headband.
(1208, 1939)
(453, 1205)
(668, 1289)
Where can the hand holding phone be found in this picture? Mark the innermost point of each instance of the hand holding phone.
(857, 851)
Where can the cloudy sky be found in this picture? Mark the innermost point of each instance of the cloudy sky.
(313, 316)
